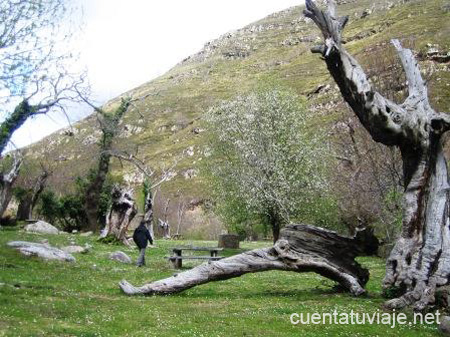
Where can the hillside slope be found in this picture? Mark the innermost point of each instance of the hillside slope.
(165, 124)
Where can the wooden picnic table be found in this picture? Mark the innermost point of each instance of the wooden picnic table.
(177, 255)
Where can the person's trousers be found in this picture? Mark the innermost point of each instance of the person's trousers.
(141, 258)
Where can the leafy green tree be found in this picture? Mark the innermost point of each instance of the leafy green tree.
(266, 164)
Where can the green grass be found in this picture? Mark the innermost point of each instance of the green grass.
(40, 298)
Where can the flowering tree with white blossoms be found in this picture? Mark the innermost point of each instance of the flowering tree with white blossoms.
(266, 161)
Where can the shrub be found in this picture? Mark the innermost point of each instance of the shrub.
(67, 211)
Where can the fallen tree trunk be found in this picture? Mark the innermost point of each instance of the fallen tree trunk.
(301, 248)
(120, 215)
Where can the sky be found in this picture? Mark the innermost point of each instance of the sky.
(125, 43)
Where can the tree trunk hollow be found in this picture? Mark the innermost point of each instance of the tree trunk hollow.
(419, 261)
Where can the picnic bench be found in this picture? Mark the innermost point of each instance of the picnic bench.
(178, 257)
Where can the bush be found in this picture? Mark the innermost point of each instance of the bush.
(8, 221)
(49, 206)
(67, 212)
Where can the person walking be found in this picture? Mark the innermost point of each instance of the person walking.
(141, 237)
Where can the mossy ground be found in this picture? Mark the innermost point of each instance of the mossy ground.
(40, 298)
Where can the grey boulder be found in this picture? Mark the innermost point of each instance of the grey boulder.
(120, 257)
(41, 227)
(444, 327)
(41, 250)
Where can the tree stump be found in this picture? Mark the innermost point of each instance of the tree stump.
(229, 241)
(301, 248)
(120, 215)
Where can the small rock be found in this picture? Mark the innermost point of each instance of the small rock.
(190, 151)
(365, 13)
(120, 257)
(197, 131)
(190, 174)
(444, 327)
(74, 249)
(87, 233)
(44, 242)
(74, 231)
(442, 296)
(41, 227)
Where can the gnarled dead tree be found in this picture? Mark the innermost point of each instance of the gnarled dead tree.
(120, 214)
(149, 198)
(164, 224)
(7, 181)
(420, 260)
(301, 248)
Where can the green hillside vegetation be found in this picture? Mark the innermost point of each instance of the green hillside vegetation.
(166, 124)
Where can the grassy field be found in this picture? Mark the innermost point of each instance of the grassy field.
(82, 299)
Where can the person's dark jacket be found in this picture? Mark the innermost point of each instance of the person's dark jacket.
(141, 235)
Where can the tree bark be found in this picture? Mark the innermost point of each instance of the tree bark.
(109, 125)
(23, 211)
(93, 192)
(275, 224)
(27, 204)
(7, 182)
(420, 260)
(120, 215)
(148, 209)
(164, 224)
(301, 248)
